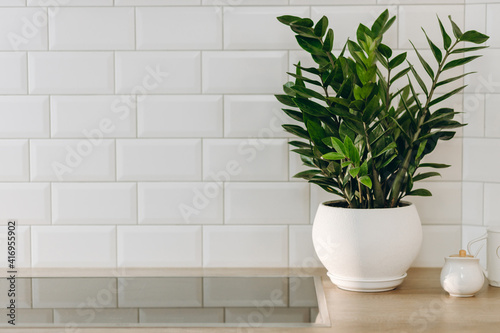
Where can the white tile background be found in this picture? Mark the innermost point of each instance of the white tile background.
(145, 133)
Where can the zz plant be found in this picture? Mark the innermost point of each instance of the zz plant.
(365, 126)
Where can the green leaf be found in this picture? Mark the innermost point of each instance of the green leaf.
(287, 89)
(434, 165)
(305, 79)
(311, 70)
(459, 62)
(304, 22)
(307, 93)
(333, 156)
(420, 192)
(299, 144)
(308, 174)
(311, 107)
(365, 180)
(385, 50)
(474, 37)
(452, 79)
(336, 144)
(328, 42)
(419, 79)
(390, 146)
(380, 22)
(296, 130)
(288, 19)
(421, 148)
(363, 171)
(446, 37)
(468, 49)
(425, 175)
(321, 27)
(435, 50)
(400, 74)
(346, 163)
(295, 115)
(351, 151)
(304, 151)
(424, 63)
(397, 60)
(456, 30)
(285, 99)
(354, 172)
(387, 25)
(445, 96)
(315, 130)
(312, 46)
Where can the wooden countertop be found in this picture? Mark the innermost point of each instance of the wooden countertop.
(418, 305)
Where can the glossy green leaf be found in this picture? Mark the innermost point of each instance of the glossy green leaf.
(299, 144)
(420, 192)
(438, 55)
(288, 19)
(468, 49)
(284, 99)
(400, 74)
(380, 22)
(419, 79)
(354, 172)
(474, 37)
(444, 34)
(424, 63)
(397, 60)
(390, 146)
(308, 174)
(456, 30)
(321, 27)
(452, 79)
(311, 107)
(425, 175)
(421, 149)
(333, 156)
(351, 151)
(459, 62)
(385, 50)
(296, 130)
(304, 22)
(366, 180)
(310, 45)
(388, 25)
(307, 93)
(295, 115)
(328, 42)
(446, 96)
(336, 144)
(434, 165)
(305, 79)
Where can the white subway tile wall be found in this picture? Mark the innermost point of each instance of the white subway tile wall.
(145, 132)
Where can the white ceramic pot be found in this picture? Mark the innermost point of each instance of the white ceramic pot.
(367, 250)
(462, 276)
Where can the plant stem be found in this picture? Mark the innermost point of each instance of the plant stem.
(398, 181)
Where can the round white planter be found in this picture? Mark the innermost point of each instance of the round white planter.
(367, 250)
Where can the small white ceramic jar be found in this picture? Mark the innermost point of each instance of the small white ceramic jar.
(462, 275)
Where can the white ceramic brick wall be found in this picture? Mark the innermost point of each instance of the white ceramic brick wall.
(145, 133)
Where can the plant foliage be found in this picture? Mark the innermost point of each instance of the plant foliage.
(366, 117)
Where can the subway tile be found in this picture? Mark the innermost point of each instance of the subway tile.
(227, 291)
(439, 241)
(182, 315)
(154, 292)
(23, 246)
(447, 152)
(487, 78)
(15, 166)
(302, 291)
(318, 196)
(31, 316)
(77, 116)
(29, 203)
(156, 2)
(94, 203)
(71, 72)
(254, 116)
(420, 2)
(22, 289)
(90, 315)
(159, 159)
(233, 72)
(411, 18)
(244, 2)
(92, 29)
(245, 246)
(445, 205)
(301, 249)
(180, 203)
(89, 159)
(472, 203)
(15, 110)
(480, 163)
(251, 159)
(491, 116)
(474, 114)
(180, 116)
(268, 34)
(349, 17)
(73, 292)
(266, 203)
(14, 73)
(478, 249)
(333, 2)
(73, 246)
(202, 28)
(159, 246)
(491, 207)
(158, 72)
(72, 3)
(278, 315)
(14, 3)
(20, 29)
(492, 24)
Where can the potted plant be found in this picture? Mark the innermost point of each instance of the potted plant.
(367, 119)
